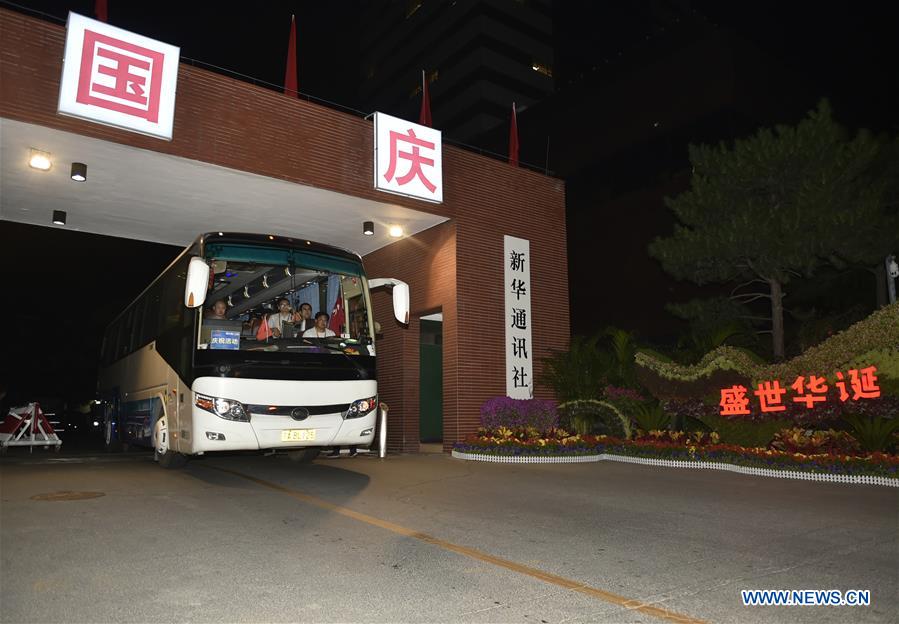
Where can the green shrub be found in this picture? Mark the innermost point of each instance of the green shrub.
(581, 372)
(880, 331)
(590, 416)
(873, 433)
(650, 417)
(744, 432)
(887, 362)
(870, 342)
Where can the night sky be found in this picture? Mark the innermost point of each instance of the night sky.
(846, 52)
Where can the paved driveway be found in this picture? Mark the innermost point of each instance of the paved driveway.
(424, 538)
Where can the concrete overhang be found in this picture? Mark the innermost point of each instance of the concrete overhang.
(146, 195)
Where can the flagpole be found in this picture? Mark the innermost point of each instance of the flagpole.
(424, 116)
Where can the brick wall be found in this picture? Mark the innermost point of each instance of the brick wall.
(456, 268)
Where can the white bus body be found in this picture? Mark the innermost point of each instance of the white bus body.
(183, 383)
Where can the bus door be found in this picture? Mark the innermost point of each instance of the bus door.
(178, 412)
(140, 411)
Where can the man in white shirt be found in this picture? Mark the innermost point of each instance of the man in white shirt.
(284, 315)
(321, 327)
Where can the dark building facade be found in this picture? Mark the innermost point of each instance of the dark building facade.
(479, 57)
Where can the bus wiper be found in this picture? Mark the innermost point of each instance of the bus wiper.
(340, 349)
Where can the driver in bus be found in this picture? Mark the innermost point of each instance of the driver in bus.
(218, 309)
(321, 327)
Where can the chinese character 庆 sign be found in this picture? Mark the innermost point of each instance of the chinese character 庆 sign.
(117, 78)
(517, 288)
(408, 159)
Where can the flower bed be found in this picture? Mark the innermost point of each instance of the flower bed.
(678, 447)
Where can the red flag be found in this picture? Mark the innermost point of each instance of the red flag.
(337, 317)
(424, 117)
(264, 332)
(513, 139)
(290, 74)
(100, 10)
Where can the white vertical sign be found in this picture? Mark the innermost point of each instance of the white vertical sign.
(517, 287)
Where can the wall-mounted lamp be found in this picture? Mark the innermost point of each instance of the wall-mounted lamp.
(39, 160)
(79, 172)
(396, 231)
(368, 228)
(59, 217)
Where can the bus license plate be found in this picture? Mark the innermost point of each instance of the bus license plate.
(297, 435)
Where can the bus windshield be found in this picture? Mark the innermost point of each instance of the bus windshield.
(290, 301)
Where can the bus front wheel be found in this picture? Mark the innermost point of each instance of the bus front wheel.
(304, 456)
(166, 457)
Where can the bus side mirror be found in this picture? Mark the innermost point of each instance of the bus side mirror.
(400, 296)
(197, 283)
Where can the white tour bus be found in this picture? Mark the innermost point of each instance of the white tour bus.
(177, 380)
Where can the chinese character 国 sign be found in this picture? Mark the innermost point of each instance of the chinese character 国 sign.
(517, 288)
(115, 77)
(408, 159)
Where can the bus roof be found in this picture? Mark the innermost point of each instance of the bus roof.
(271, 240)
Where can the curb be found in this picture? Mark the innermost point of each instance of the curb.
(672, 463)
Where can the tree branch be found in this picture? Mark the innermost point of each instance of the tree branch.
(749, 297)
(754, 281)
(753, 269)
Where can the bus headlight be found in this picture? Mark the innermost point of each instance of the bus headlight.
(360, 408)
(223, 408)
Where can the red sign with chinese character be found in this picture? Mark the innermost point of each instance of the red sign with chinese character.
(118, 78)
(808, 391)
(408, 158)
(135, 72)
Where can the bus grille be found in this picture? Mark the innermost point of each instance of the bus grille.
(287, 410)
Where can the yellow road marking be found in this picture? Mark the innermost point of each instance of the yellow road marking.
(560, 581)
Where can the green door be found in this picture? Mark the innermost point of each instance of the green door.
(431, 394)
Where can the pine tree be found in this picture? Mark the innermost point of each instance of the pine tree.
(778, 205)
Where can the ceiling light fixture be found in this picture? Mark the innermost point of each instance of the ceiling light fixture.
(368, 228)
(39, 160)
(59, 217)
(396, 231)
(79, 172)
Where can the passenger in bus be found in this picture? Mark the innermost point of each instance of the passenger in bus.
(283, 315)
(303, 319)
(218, 309)
(251, 325)
(321, 327)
